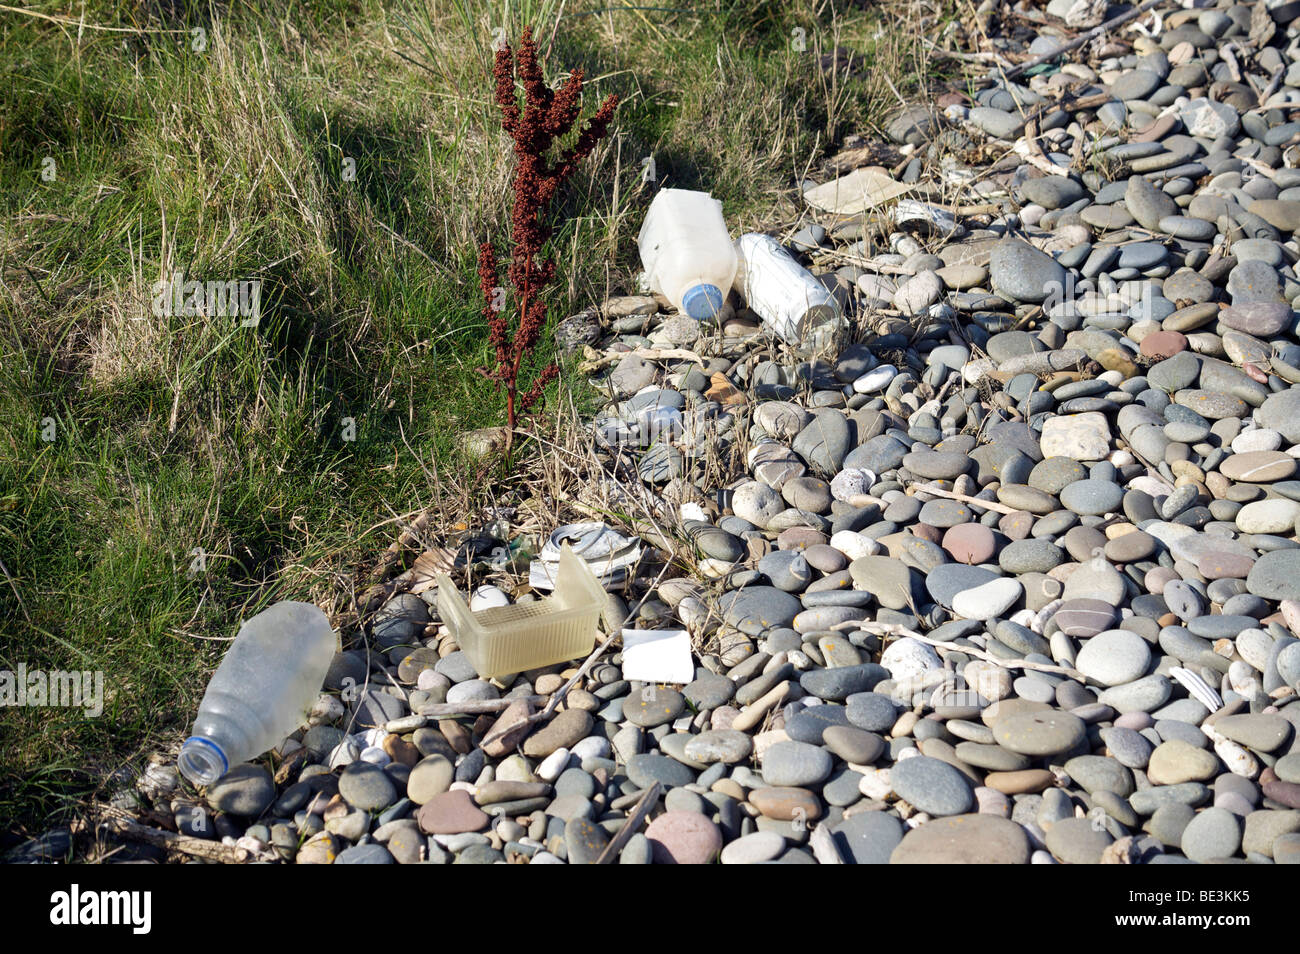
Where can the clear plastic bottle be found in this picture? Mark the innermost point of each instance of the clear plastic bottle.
(265, 686)
(687, 251)
(788, 297)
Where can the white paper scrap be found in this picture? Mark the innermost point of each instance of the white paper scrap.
(657, 655)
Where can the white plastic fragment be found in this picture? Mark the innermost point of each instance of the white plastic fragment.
(657, 655)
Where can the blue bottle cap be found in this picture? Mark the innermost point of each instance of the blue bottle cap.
(702, 301)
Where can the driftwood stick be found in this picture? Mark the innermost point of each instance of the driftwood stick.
(650, 354)
(893, 629)
(194, 847)
(634, 819)
(994, 505)
(443, 710)
(1083, 38)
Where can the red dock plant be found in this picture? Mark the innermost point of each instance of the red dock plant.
(545, 116)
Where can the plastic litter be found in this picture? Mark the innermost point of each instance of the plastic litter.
(855, 193)
(267, 682)
(510, 639)
(687, 251)
(657, 655)
(608, 554)
(788, 297)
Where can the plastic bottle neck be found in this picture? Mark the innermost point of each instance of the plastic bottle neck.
(202, 761)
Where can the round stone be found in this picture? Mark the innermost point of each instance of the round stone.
(1114, 657)
(431, 776)
(1092, 497)
(754, 849)
(1077, 841)
(1276, 575)
(683, 838)
(1022, 273)
(725, 745)
(934, 787)
(988, 600)
(246, 790)
(795, 764)
(970, 543)
(868, 838)
(367, 787)
(1212, 834)
(1177, 761)
(1039, 733)
(1082, 618)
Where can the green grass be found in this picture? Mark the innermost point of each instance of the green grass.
(172, 434)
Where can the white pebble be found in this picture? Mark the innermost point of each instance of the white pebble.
(345, 753)
(1257, 439)
(908, 657)
(375, 756)
(874, 782)
(487, 597)
(554, 764)
(849, 483)
(328, 708)
(877, 378)
(592, 747)
(853, 544)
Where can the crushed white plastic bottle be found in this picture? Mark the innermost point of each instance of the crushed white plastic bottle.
(789, 298)
(687, 251)
(264, 688)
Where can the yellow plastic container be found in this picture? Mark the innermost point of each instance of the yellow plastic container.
(510, 639)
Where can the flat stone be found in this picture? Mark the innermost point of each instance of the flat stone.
(988, 600)
(451, 813)
(867, 838)
(1039, 733)
(1211, 834)
(795, 764)
(683, 838)
(1176, 761)
(934, 787)
(1022, 273)
(1076, 436)
(1276, 575)
(964, 840)
(1258, 467)
(726, 745)
(1114, 657)
(1077, 841)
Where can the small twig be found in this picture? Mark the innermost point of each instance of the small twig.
(440, 710)
(893, 629)
(558, 696)
(650, 354)
(194, 847)
(634, 819)
(994, 505)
